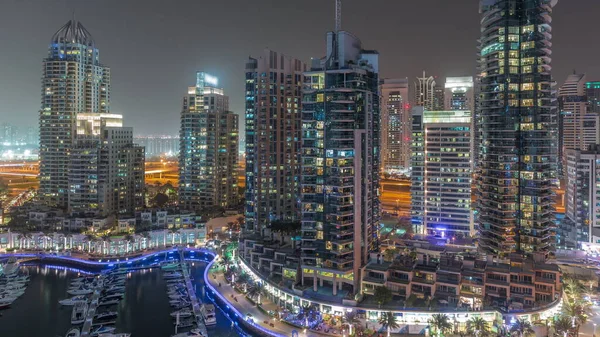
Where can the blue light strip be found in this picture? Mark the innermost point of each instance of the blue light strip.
(232, 307)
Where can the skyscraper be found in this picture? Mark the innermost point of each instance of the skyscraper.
(582, 199)
(106, 171)
(519, 128)
(208, 148)
(442, 144)
(340, 164)
(578, 128)
(592, 91)
(425, 92)
(395, 124)
(273, 132)
(73, 82)
(459, 95)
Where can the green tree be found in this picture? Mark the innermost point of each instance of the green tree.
(388, 321)
(578, 312)
(562, 324)
(382, 295)
(390, 253)
(522, 328)
(478, 327)
(440, 324)
(573, 289)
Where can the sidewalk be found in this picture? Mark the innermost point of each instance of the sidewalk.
(244, 306)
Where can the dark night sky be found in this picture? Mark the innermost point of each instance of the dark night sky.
(154, 47)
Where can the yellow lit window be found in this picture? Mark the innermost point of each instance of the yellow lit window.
(527, 69)
(527, 86)
(320, 97)
(527, 61)
(527, 45)
(527, 29)
(527, 102)
(513, 38)
(513, 87)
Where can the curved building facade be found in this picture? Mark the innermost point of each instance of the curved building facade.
(518, 119)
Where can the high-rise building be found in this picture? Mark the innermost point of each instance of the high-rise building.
(73, 82)
(32, 137)
(208, 148)
(582, 200)
(273, 132)
(395, 125)
(438, 98)
(8, 134)
(425, 88)
(340, 164)
(592, 91)
(442, 144)
(159, 146)
(459, 94)
(578, 128)
(519, 128)
(106, 172)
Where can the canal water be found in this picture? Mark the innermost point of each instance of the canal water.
(144, 312)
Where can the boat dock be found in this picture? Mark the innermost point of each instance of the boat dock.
(192, 293)
(89, 320)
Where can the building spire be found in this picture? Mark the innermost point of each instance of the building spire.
(338, 15)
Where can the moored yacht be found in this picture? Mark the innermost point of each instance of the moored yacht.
(208, 314)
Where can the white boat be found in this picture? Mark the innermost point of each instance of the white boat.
(74, 332)
(108, 302)
(208, 314)
(80, 291)
(79, 313)
(106, 315)
(74, 300)
(114, 335)
(115, 288)
(182, 313)
(194, 332)
(111, 296)
(102, 329)
(11, 268)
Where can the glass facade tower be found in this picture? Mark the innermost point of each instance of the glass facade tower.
(73, 82)
(340, 164)
(518, 126)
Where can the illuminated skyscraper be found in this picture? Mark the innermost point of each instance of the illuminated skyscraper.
(425, 89)
(442, 144)
(578, 128)
(519, 128)
(395, 125)
(273, 132)
(208, 148)
(73, 82)
(340, 164)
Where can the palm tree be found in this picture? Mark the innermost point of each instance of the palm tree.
(562, 325)
(440, 324)
(573, 289)
(578, 312)
(89, 238)
(128, 238)
(521, 328)
(256, 291)
(478, 326)
(147, 240)
(388, 321)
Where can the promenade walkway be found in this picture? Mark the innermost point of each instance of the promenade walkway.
(244, 306)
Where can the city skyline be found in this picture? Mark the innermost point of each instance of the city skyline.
(171, 27)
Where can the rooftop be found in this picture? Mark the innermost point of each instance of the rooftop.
(73, 32)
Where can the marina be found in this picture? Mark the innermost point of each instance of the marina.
(144, 296)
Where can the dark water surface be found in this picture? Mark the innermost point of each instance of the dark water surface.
(144, 312)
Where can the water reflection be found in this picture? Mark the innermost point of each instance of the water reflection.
(145, 310)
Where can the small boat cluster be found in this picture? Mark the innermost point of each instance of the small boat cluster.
(12, 284)
(181, 301)
(93, 300)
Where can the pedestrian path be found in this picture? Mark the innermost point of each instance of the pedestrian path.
(192, 293)
(244, 306)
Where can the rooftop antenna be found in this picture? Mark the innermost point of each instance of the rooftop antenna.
(338, 15)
